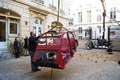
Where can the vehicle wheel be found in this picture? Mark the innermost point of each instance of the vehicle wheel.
(119, 62)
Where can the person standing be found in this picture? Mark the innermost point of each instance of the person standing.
(26, 46)
(17, 47)
(89, 44)
(32, 47)
(98, 42)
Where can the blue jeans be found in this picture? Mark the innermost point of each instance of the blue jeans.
(98, 44)
(33, 66)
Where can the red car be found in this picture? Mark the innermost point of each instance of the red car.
(55, 50)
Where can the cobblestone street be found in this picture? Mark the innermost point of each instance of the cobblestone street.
(85, 65)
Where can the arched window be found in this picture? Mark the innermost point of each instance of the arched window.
(38, 21)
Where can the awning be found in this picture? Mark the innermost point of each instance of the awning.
(10, 16)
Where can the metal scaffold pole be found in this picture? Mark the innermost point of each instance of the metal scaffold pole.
(104, 14)
(58, 10)
(56, 24)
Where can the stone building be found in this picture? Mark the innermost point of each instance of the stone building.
(19, 17)
(89, 15)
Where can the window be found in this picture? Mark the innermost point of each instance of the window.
(52, 4)
(34, 29)
(98, 18)
(86, 32)
(70, 23)
(13, 28)
(99, 27)
(38, 21)
(80, 17)
(69, 11)
(80, 37)
(61, 6)
(80, 29)
(40, 1)
(39, 30)
(110, 14)
(113, 13)
(89, 16)
(2, 18)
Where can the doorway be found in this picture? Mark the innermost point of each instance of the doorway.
(2, 32)
(3, 43)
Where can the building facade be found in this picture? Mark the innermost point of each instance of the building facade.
(19, 17)
(70, 12)
(89, 18)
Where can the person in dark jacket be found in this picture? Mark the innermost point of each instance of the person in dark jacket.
(98, 42)
(26, 46)
(32, 47)
(17, 47)
(89, 44)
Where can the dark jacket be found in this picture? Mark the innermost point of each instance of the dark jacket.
(26, 43)
(33, 43)
(98, 40)
(16, 44)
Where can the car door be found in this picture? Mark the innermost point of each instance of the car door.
(72, 42)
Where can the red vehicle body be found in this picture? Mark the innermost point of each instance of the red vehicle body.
(55, 50)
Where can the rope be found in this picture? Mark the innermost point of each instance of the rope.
(58, 25)
(51, 74)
